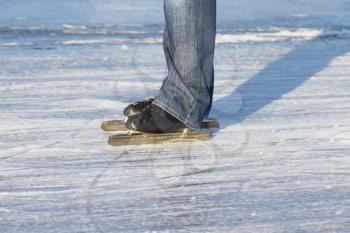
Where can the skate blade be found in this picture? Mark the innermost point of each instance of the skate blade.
(114, 125)
(138, 138)
(210, 123)
(119, 125)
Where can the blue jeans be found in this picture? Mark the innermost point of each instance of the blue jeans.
(189, 43)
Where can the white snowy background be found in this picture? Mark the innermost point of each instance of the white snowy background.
(279, 163)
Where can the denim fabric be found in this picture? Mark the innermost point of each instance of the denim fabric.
(189, 43)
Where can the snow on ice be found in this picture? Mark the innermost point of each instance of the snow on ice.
(279, 163)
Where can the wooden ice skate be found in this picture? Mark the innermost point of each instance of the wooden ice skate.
(138, 138)
(119, 125)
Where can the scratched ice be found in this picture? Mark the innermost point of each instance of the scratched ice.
(279, 163)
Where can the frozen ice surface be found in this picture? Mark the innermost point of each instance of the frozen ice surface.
(280, 162)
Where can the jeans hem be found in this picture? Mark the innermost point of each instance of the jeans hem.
(169, 110)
